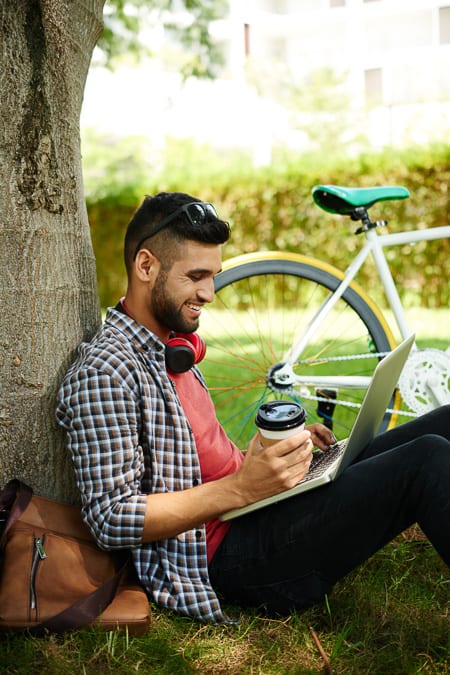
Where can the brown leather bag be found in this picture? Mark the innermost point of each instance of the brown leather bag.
(53, 576)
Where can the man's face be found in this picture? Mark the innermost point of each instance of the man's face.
(179, 293)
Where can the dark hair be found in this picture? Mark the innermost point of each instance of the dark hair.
(153, 210)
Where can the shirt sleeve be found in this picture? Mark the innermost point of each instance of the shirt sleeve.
(100, 414)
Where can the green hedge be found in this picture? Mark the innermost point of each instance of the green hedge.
(272, 208)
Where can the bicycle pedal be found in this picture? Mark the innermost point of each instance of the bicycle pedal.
(325, 408)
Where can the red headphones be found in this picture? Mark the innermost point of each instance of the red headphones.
(183, 350)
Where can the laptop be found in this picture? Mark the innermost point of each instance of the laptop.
(326, 466)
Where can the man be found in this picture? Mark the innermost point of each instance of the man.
(156, 470)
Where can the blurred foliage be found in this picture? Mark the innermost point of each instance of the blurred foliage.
(272, 208)
(128, 26)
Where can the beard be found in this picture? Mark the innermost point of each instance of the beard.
(166, 310)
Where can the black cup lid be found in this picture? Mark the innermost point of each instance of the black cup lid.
(279, 415)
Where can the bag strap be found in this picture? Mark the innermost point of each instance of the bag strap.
(14, 499)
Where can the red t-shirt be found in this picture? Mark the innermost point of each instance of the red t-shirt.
(217, 453)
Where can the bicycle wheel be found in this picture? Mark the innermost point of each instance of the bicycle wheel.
(262, 301)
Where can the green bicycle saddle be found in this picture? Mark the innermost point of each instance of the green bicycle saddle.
(343, 200)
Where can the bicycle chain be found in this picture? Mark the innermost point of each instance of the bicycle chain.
(342, 358)
(348, 404)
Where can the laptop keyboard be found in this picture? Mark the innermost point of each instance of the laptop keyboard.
(323, 460)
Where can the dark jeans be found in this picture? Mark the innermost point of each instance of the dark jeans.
(288, 555)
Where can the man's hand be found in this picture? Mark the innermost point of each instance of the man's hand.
(321, 436)
(263, 473)
(268, 471)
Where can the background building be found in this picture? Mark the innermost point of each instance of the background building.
(298, 72)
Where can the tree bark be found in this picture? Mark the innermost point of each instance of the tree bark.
(47, 268)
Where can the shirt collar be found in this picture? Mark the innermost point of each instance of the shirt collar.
(142, 337)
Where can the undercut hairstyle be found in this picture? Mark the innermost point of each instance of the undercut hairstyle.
(166, 243)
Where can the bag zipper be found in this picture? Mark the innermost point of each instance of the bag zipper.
(38, 555)
(4, 515)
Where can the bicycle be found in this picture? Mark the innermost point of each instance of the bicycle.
(289, 325)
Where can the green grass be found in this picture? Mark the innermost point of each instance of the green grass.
(390, 616)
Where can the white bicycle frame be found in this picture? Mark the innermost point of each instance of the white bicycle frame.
(374, 245)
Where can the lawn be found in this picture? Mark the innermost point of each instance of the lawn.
(390, 616)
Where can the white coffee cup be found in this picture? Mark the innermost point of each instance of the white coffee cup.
(279, 419)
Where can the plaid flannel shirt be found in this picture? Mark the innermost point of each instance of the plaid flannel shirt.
(129, 436)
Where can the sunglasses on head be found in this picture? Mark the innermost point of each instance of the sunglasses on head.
(197, 214)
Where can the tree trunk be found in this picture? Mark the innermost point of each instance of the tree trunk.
(47, 267)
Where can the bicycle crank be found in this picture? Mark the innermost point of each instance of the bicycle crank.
(425, 381)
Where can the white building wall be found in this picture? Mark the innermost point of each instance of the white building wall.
(395, 54)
